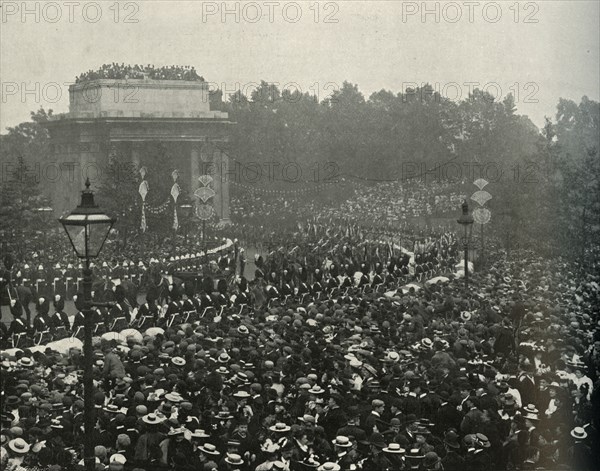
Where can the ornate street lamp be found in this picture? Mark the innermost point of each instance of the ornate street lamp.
(466, 220)
(87, 228)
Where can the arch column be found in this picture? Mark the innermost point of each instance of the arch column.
(221, 163)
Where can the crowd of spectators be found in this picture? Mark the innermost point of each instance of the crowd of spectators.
(367, 204)
(503, 375)
(405, 199)
(117, 71)
(305, 365)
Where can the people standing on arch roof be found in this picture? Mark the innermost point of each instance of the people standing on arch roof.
(117, 71)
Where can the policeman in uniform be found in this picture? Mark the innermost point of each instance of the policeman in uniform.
(317, 286)
(243, 295)
(377, 278)
(120, 310)
(147, 315)
(286, 283)
(59, 321)
(222, 289)
(79, 320)
(333, 282)
(188, 307)
(59, 280)
(174, 306)
(41, 323)
(18, 327)
(70, 281)
(205, 294)
(364, 279)
(302, 281)
(39, 281)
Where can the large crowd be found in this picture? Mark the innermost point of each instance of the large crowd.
(122, 71)
(312, 367)
(405, 199)
(398, 202)
(350, 345)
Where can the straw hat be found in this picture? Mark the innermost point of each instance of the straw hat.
(19, 446)
(176, 431)
(329, 467)
(234, 459)
(209, 449)
(280, 428)
(241, 394)
(199, 433)
(394, 448)
(342, 441)
(152, 419)
(316, 390)
(578, 433)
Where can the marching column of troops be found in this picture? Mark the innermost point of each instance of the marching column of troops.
(285, 276)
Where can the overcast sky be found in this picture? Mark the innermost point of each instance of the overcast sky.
(538, 50)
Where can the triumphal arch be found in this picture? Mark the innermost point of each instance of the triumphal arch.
(125, 118)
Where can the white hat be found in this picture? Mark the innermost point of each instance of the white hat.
(394, 448)
(209, 449)
(118, 457)
(200, 433)
(153, 419)
(234, 459)
(176, 431)
(173, 397)
(19, 446)
(342, 441)
(280, 427)
(579, 433)
(329, 466)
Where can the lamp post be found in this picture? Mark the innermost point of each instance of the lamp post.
(466, 220)
(87, 228)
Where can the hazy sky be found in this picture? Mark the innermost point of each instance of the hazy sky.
(538, 50)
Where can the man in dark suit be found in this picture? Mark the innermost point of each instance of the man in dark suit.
(352, 429)
(334, 417)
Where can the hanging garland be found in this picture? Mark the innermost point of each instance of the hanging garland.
(158, 209)
(281, 192)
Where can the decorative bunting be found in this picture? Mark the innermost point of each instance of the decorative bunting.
(298, 191)
(204, 193)
(481, 197)
(480, 183)
(205, 179)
